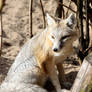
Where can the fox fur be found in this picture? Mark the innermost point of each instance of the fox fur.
(40, 56)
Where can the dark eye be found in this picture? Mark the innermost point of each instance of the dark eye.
(53, 37)
(64, 37)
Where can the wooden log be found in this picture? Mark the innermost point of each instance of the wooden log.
(84, 75)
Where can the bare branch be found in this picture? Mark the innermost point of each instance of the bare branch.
(43, 14)
(30, 18)
(68, 7)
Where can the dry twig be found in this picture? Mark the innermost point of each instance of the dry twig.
(68, 7)
(30, 18)
(43, 14)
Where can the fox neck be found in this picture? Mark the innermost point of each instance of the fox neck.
(43, 50)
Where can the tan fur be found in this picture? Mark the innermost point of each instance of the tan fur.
(49, 41)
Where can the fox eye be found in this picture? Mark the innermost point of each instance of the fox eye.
(53, 37)
(64, 37)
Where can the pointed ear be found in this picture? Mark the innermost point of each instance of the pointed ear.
(50, 20)
(71, 21)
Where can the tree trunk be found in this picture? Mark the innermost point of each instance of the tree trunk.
(0, 34)
(59, 10)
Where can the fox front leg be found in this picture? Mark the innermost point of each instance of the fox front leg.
(52, 73)
(62, 78)
(61, 74)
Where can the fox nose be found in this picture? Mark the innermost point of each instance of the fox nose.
(55, 49)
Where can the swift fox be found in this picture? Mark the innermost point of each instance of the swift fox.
(40, 56)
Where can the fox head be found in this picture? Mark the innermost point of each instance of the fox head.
(61, 33)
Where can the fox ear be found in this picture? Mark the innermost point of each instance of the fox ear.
(50, 20)
(71, 21)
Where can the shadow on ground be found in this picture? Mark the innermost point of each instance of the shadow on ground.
(4, 67)
(70, 78)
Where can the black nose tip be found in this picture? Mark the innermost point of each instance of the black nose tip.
(55, 49)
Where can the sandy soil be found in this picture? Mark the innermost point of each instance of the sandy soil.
(15, 19)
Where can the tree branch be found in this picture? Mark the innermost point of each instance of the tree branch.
(68, 7)
(30, 18)
(43, 14)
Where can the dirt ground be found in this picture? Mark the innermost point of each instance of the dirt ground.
(15, 19)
